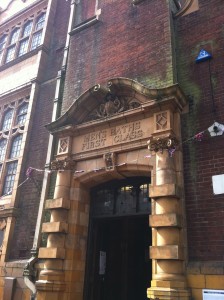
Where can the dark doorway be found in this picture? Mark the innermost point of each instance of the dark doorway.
(118, 265)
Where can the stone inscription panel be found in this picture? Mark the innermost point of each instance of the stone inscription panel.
(112, 136)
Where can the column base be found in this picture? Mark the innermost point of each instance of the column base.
(51, 280)
(166, 290)
(50, 286)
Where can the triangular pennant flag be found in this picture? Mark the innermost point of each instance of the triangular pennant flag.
(203, 56)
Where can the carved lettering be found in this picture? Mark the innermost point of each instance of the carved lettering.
(127, 132)
(119, 134)
(94, 140)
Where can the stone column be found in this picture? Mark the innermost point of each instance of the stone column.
(167, 250)
(51, 284)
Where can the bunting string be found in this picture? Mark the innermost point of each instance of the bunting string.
(215, 129)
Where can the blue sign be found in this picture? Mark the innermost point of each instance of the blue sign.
(203, 56)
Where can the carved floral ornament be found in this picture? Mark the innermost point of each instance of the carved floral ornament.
(109, 159)
(113, 105)
(169, 143)
(62, 164)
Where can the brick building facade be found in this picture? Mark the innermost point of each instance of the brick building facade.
(130, 207)
(33, 36)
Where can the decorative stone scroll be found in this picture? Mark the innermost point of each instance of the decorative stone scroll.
(160, 144)
(62, 164)
(113, 105)
(109, 159)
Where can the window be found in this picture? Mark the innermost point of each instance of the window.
(9, 178)
(36, 40)
(2, 42)
(122, 197)
(7, 120)
(3, 143)
(14, 36)
(27, 28)
(40, 22)
(22, 112)
(10, 54)
(2, 45)
(85, 10)
(24, 43)
(23, 47)
(12, 125)
(16, 146)
(22, 39)
(2, 233)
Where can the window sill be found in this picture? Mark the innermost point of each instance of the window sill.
(89, 22)
(7, 211)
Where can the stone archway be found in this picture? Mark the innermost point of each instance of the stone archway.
(104, 136)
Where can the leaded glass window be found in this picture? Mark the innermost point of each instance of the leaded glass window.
(3, 143)
(21, 117)
(124, 197)
(3, 42)
(2, 45)
(10, 178)
(16, 146)
(2, 233)
(10, 54)
(40, 22)
(23, 47)
(36, 40)
(27, 28)
(15, 36)
(7, 120)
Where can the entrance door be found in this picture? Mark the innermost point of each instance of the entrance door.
(118, 265)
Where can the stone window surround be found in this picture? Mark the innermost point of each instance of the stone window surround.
(10, 134)
(88, 22)
(8, 33)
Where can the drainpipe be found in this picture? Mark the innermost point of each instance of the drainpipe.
(29, 272)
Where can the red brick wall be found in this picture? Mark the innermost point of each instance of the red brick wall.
(129, 41)
(29, 196)
(205, 211)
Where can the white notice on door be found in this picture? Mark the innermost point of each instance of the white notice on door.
(102, 266)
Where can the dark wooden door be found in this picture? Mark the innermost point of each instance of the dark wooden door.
(128, 270)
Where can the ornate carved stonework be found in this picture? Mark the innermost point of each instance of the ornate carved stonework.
(165, 143)
(109, 159)
(161, 121)
(62, 164)
(63, 145)
(113, 105)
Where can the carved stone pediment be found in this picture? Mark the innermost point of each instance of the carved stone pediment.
(112, 105)
(120, 95)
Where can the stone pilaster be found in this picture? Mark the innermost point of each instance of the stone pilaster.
(51, 278)
(167, 250)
